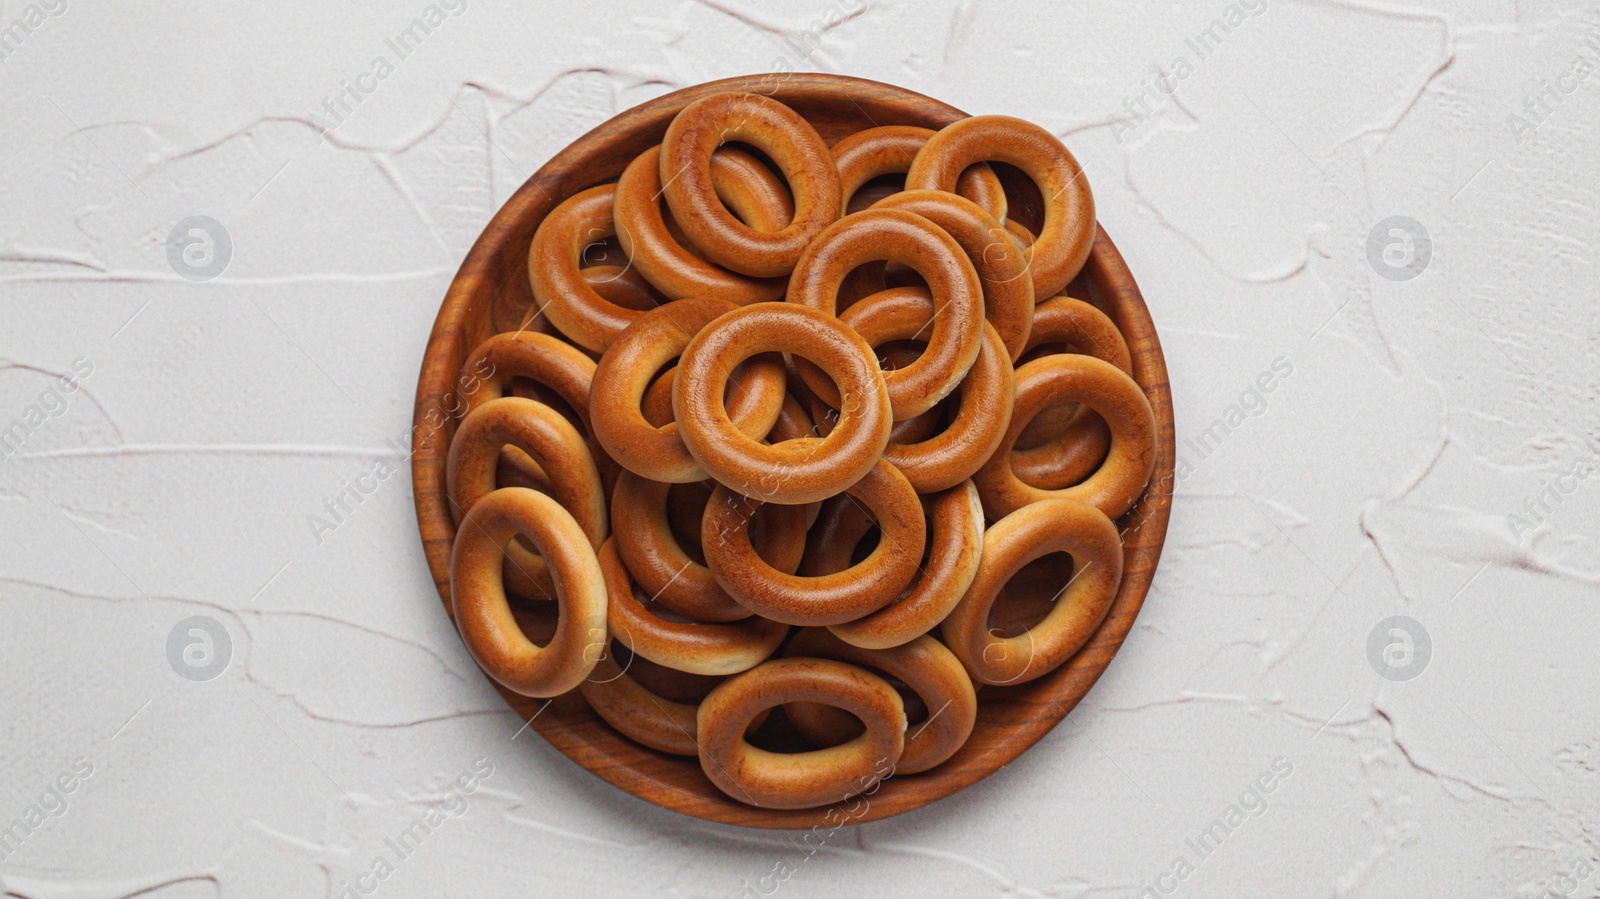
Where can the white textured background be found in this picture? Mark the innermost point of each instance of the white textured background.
(1376, 479)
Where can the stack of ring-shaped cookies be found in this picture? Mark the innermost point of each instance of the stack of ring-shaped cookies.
(759, 471)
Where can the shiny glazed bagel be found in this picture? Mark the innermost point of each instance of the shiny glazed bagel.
(524, 354)
(1116, 484)
(944, 575)
(894, 235)
(1065, 444)
(945, 458)
(925, 666)
(752, 192)
(1069, 325)
(1047, 526)
(788, 140)
(624, 374)
(825, 599)
(483, 613)
(1062, 246)
(562, 458)
(1002, 268)
(804, 779)
(563, 294)
(795, 471)
(535, 366)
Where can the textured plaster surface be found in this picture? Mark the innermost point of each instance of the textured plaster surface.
(1376, 479)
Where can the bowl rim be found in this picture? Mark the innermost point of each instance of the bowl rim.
(1011, 719)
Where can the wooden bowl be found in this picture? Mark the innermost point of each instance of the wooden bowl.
(491, 294)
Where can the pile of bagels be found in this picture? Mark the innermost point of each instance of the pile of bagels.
(761, 465)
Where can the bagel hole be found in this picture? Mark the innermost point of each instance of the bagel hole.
(896, 274)
(768, 536)
(658, 414)
(864, 547)
(606, 251)
(897, 354)
(760, 156)
(537, 620)
(1042, 350)
(830, 414)
(515, 468)
(852, 514)
(611, 283)
(829, 726)
(531, 596)
(1079, 449)
(876, 189)
(658, 410)
(1031, 594)
(859, 283)
(927, 425)
(827, 421)
(1049, 423)
(1024, 202)
(740, 379)
(916, 709)
(529, 389)
(823, 725)
(686, 506)
(778, 734)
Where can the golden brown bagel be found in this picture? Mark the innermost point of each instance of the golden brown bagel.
(944, 575)
(1002, 268)
(561, 457)
(803, 779)
(1062, 246)
(826, 599)
(898, 236)
(623, 376)
(788, 140)
(925, 666)
(1047, 526)
(795, 471)
(1116, 484)
(483, 614)
(752, 192)
(555, 258)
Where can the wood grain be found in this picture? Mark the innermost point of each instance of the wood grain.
(491, 291)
